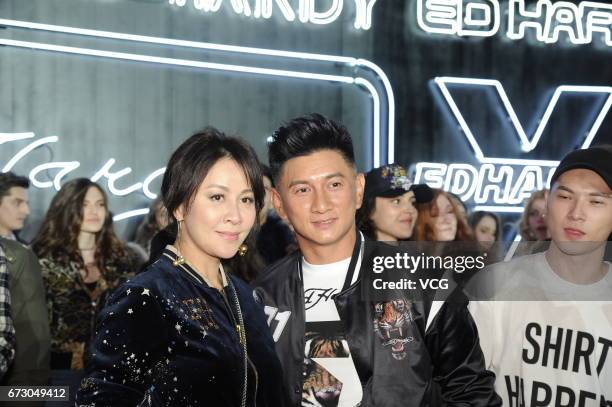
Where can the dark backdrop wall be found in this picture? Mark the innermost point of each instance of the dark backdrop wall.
(528, 70)
(138, 112)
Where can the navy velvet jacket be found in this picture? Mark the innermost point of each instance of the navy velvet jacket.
(167, 338)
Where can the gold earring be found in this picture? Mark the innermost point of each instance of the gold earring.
(180, 260)
(243, 249)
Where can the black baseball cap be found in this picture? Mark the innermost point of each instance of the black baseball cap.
(392, 180)
(597, 159)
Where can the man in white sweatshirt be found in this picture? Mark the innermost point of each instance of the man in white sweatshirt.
(547, 331)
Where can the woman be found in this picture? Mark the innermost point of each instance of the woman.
(532, 226)
(185, 332)
(388, 212)
(275, 239)
(486, 227)
(440, 220)
(81, 258)
(156, 220)
(487, 232)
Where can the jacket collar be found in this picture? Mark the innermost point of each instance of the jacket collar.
(169, 252)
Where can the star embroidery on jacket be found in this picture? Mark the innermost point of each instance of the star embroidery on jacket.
(178, 327)
(145, 291)
(129, 290)
(130, 311)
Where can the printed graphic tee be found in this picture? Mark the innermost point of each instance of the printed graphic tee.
(548, 353)
(330, 377)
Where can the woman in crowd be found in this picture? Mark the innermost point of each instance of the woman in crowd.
(388, 211)
(486, 227)
(460, 205)
(532, 226)
(487, 232)
(275, 238)
(185, 332)
(81, 260)
(154, 221)
(440, 220)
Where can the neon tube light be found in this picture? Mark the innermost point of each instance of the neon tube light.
(504, 182)
(306, 10)
(548, 20)
(526, 144)
(130, 214)
(348, 61)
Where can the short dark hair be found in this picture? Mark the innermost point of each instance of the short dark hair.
(306, 135)
(192, 160)
(9, 180)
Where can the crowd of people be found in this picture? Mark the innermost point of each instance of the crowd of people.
(243, 284)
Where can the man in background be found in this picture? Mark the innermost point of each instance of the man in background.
(27, 294)
(548, 334)
(14, 204)
(30, 317)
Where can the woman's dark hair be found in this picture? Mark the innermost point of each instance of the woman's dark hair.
(478, 215)
(188, 167)
(190, 163)
(58, 235)
(306, 135)
(363, 217)
(424, 231)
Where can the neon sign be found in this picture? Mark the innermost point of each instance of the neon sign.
(308, 10)
(66, 167)
(380, 92)
(502, 184)
(549, 22)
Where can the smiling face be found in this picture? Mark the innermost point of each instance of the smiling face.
(14, 209)
(485, 231)
(94, 211)
(319, 194)
(445, 224)
(221, 215)
(394, 218)
(579, 209)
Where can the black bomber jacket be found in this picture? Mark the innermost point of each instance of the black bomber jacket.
(431, 358)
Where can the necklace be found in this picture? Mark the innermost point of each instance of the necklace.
(235, 315)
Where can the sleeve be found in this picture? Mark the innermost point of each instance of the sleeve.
(7, 329)
(128, 349)
(458, 361)
(46, 267)
(30, 316)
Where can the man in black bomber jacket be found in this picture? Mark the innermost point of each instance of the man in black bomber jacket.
(332, 341)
